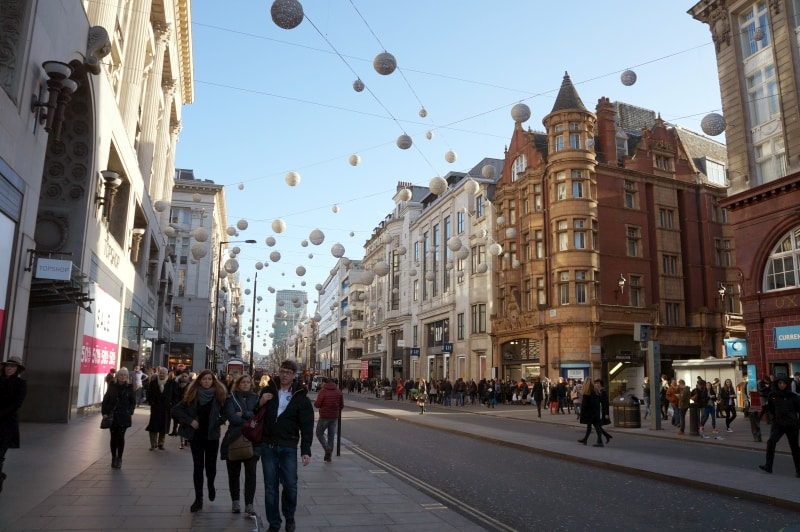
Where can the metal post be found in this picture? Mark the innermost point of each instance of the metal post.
(341, 384)
(253, 322)
(654, 369)
(215, 310)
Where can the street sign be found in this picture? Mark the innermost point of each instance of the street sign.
(641, 332)
(447, 347)
(414, 351)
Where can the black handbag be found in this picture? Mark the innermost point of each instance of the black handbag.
(105, 423)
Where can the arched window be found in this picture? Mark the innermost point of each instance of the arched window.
(784, 261)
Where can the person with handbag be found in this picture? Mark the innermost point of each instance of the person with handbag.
(13, 390)
(159, 397)
(591, 413)
(119, 402)
(235, 448)
(199, 414)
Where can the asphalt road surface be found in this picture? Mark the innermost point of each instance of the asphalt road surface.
(507, 489)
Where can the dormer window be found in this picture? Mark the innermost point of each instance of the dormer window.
(520, 164)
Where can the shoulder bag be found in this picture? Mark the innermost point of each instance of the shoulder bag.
(240, 449)
(253, 429)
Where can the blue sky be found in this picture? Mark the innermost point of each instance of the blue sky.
(269, 101)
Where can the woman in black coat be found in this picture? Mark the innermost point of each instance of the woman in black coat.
(592, 413)
(199, 414)
(538, 395)
(119, 403)
(159, 397)
(239, 407)
(12, 393)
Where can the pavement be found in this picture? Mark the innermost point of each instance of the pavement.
(61, 478)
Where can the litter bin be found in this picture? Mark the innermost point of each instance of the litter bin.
(387, 393)
(627, 412)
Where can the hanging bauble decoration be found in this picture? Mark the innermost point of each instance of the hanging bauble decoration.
(454, 243)
(300, 271)
(200, 234)
(358, 85)
(381, 268)
(240, 186)
(402, 250)
(318, 287)
(404, 142)
(429, 135)
(160, 206)
(438, 185)
(423, 112)
(495, 249)
(345, 262)
(759, 34)
(275, 256)
(310, 255)
(230, 231)
(316, 237)
(515, 263)
(450, 156)
(384, 63)
(404, 194)
(292, 179)
(169, 231)
(488, 171)
(354, 159)
(334, 208)
(286, 14)
(713, 124)
(430, 276)
(278, 225)
(247, 291)
(270, 241)
(520, 113)
(501, 221)
(241, 225)
(352, 233)
(471, 186)
(304, 243)
(511, 232)
(628, 78)
(231, 266)
(259, 265)
(199, 250)
(235, 250)
(482, 268)
(337, 250)
(462, 253)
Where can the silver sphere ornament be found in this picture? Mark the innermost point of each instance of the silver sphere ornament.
(438, 185)
(404, 142)
(423, 112)
(520, 113)
(628, 78)
(429, 135)
(286, 14)
(270, 241)
(404, 194)
(358, 85)
(292, 179)
(354, 159)
(713, 124)
(450, 156)
(241, 225)
(384, 63)
(488, 171)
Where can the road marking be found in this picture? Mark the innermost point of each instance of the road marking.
(464, 508)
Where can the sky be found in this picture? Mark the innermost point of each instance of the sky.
(268, 101)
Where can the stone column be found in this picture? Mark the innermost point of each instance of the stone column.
(133, 65)
(162, 144)
(102, 14)
(152, 105)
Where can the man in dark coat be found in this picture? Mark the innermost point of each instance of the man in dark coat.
(783, 409)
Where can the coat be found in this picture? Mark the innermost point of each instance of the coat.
(591, 409)
(160, 405)
(12, 394)
(295, 425)
(783, 408)
(185, 413)
(119, 402)
(330, 401)
(244, 403)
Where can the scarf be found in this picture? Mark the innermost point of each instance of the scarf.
(161, 383)
(205, 395)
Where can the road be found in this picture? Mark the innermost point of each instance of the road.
(511, 488)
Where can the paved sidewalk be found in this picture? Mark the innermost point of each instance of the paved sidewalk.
(61, 479)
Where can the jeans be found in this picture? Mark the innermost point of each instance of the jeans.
(446, 399)
(329, 426)
(683, 413)
(677, 415)
(647, 406)
(730, 415)
(709, 411)
(459, 398)
(280, 467)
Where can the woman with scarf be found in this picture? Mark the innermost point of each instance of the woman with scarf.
(199, 414)
(238, 409)
(119, 403)
(159, 397)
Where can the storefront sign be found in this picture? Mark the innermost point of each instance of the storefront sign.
(414, 351)
(787, 337)
(55, 269)
(447, 347)
(735, 347)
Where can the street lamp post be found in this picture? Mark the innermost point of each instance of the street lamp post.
(253, 322)
(210, 363)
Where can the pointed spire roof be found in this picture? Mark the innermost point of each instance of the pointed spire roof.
(567, 96)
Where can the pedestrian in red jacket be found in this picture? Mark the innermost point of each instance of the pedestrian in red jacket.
(330, 402)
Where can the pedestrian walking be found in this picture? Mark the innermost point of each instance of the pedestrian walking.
(159, 397)
(646, 395)
(592, 414)
(289, 422)
(199, 416)
(684, 400)
(119, 403)
(727, 398)
(709, 411)
(13, 390)
(239, 408)
(538, 395)
(330, 403)
(783, 408)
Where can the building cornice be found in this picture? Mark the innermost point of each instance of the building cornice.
(762, 193)
(183, 35)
